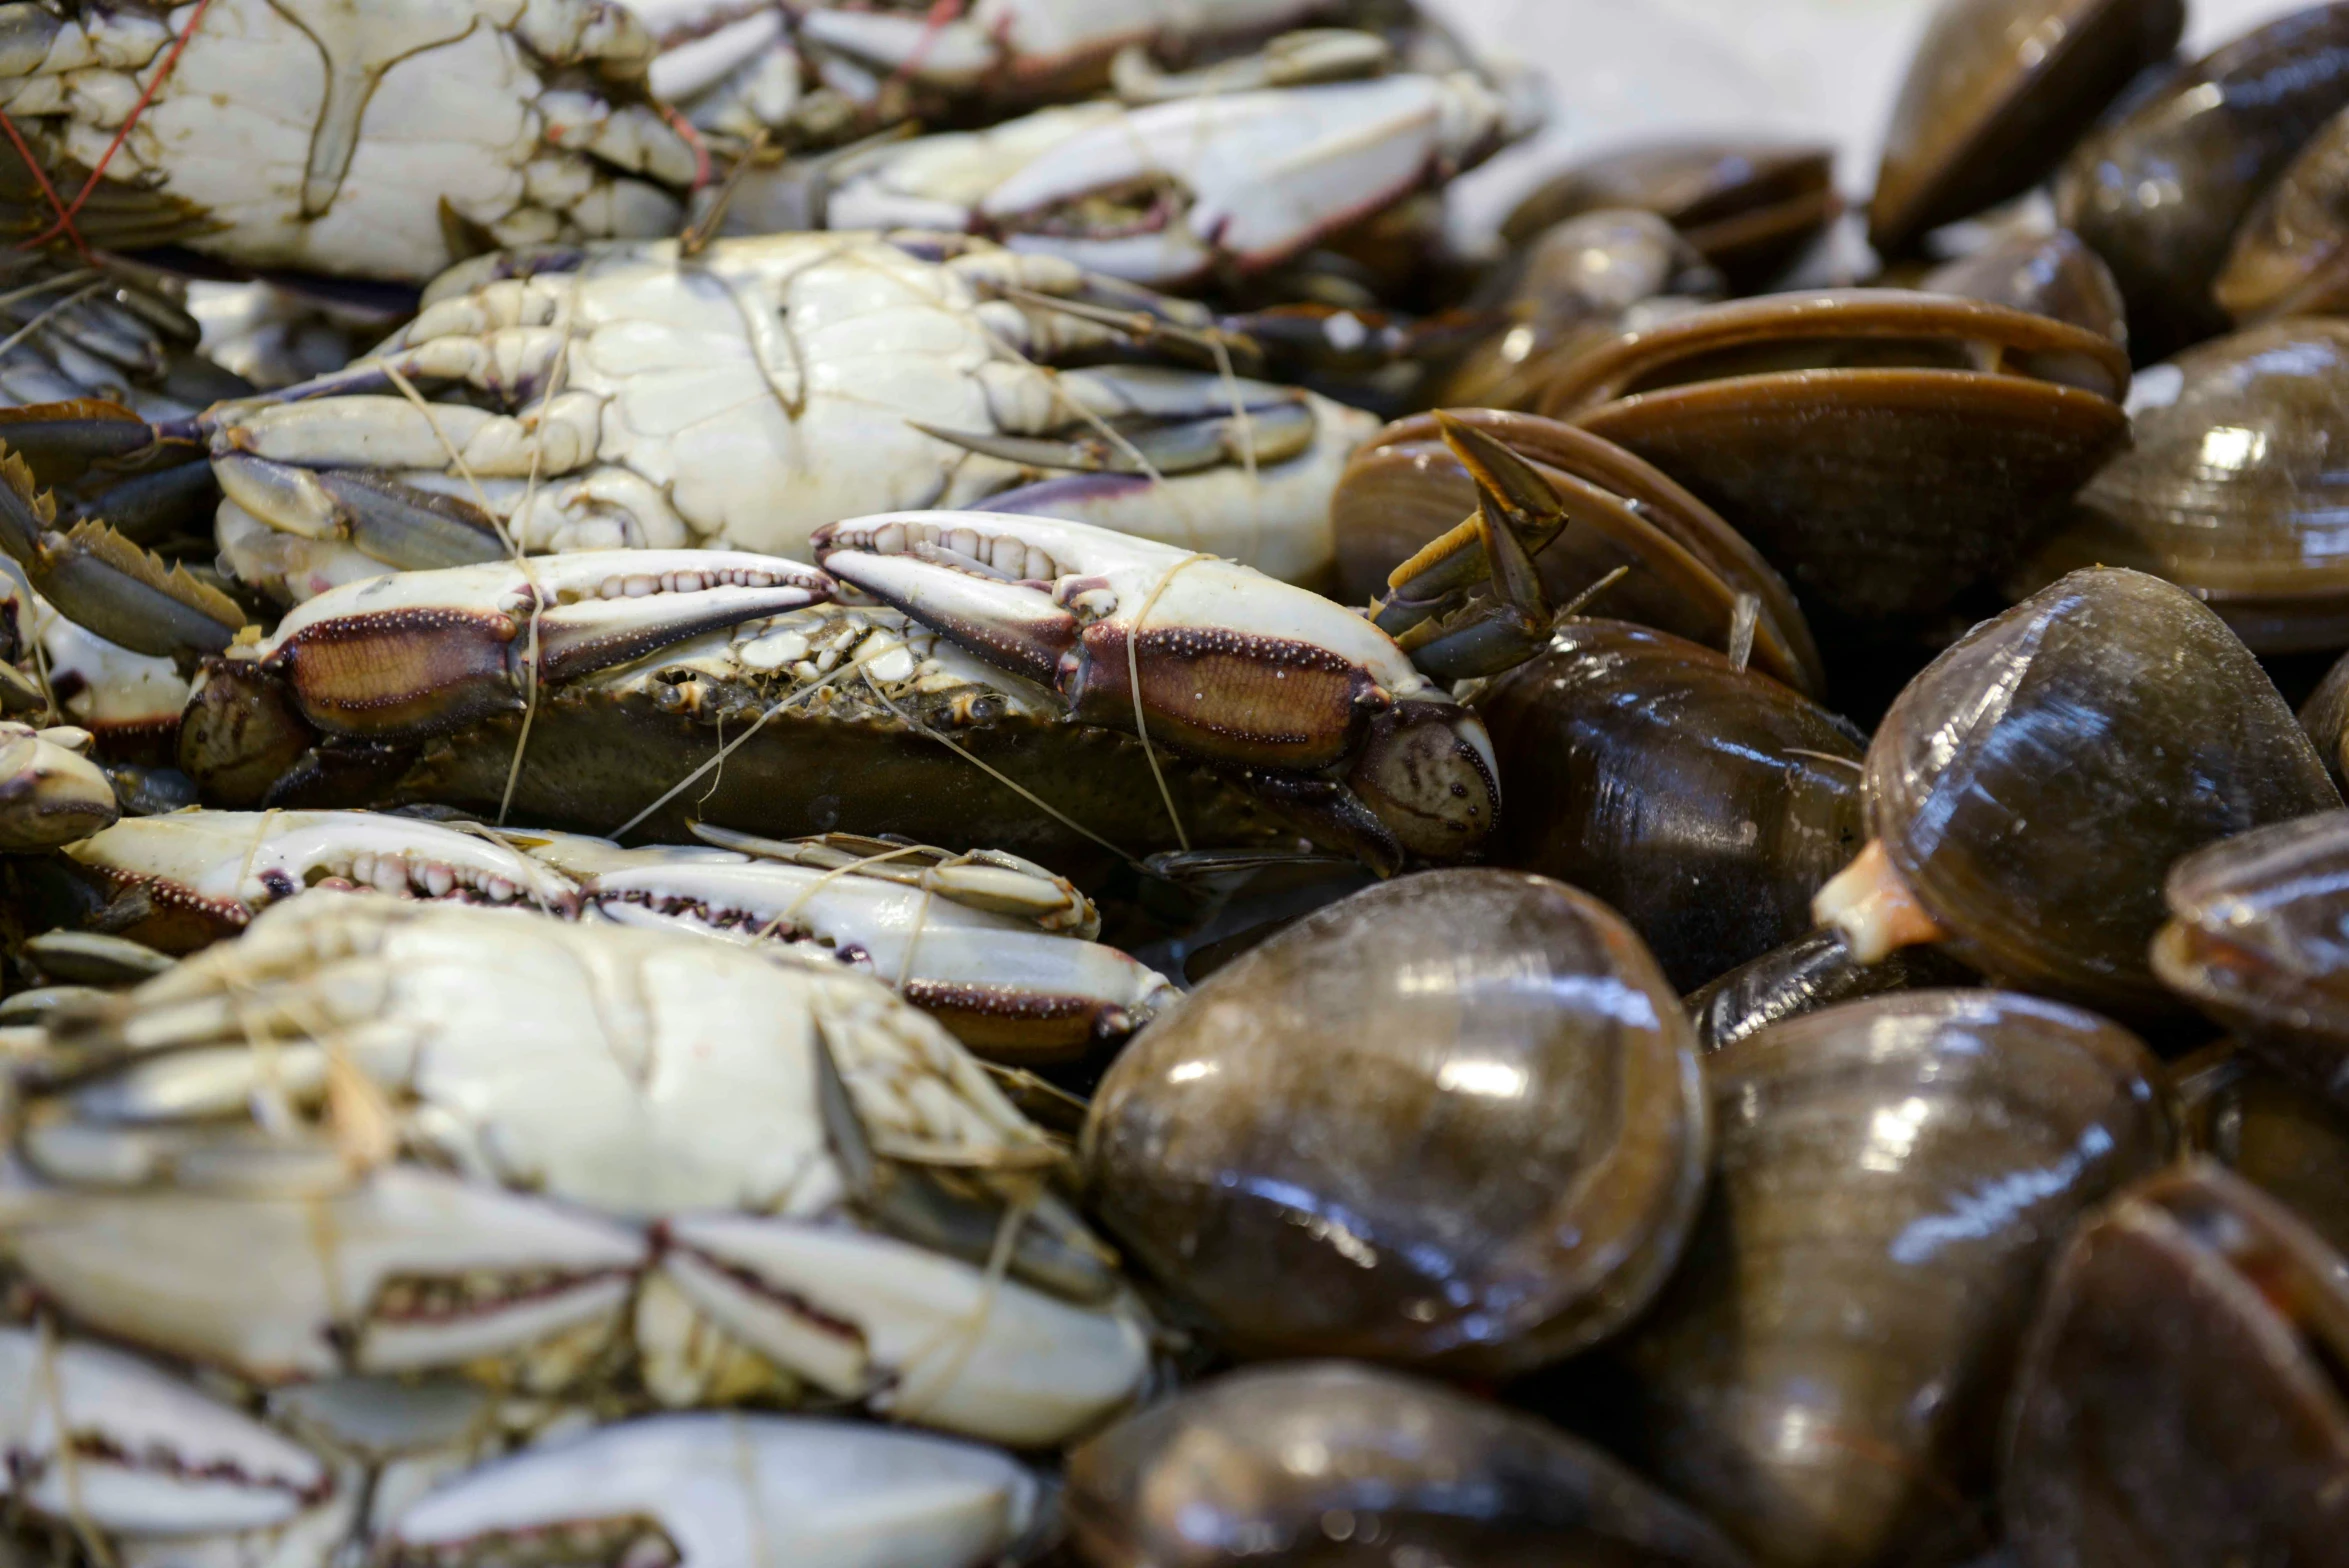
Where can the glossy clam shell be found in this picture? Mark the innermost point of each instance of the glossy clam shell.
(2046, 274)
(2036, 782)
(2291, 257)
(2234, 487)
(2160, 192)
(1825, 1373)
(2325, 716)
(1881, 492)
(2259, 940)
(1405, 488)
(1339, 1464)
(1454, 1120)
(2181, 1404)
(1749, 207)
(1704, 803)
(2270, 1130)
(1996, 93)
(1808, 974)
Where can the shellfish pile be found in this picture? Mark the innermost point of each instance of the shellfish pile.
(905, 785)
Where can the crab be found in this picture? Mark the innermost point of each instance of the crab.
(102, 330)
(742, 397)
(50, 791)
(1185, 189)
(376, 1136)
(382, 141)
(820, 73)
(998, 949)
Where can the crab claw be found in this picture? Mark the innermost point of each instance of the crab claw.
(404, 656)
(97, 578)
(712, 1490)
(50, 793)
(105, 1439)
(1305, 699)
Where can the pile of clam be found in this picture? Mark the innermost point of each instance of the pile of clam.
(887, 784)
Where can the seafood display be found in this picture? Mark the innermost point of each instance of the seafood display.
(909, 785)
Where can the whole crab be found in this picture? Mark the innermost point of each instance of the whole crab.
(382, 140)
(747, 395)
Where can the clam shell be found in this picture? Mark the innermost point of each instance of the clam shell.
(1825, 1373)
(2233, 488)
(1809, 973)
(1997, 90)
(2160, 191)
(2291, 257)
(2271, 1131)
(1748, 207)
(2182, 1403)
(2046, 274)
(2036, 782)
(1455, 1120)
(1704, 802)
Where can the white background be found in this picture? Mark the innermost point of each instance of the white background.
(1630, 70)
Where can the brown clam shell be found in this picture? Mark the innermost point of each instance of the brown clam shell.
(2269, 1130)
(2291, 257)
(2234, 487)
(2046, 274)
(1824, 1374)
(1405, 489)
(2182, 1401)
(1944, 439)
(2256, 940)
(2325, 716)
(1748, 207)
(1997, 91)
(1347, 1466)
(1813, 971)
(1705, 803)
(2035, 783)
(2160, 192)
(1455, 1120)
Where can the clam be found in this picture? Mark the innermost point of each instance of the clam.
(2028, 792)
(1748, 207)
(1884, 449)
(2269, 1130)
(2160, 192)
(1824, 1374)
(1574, 285)
(1997, 91)
(1689, 569)
(2325, 716)
(2259, 939)
(1811, 972)
(1343, 1465)
(1704, 802)
(1455, 1120)
(2234, 487)
(2183, 1402)
(2046, 274)
(2291, 257)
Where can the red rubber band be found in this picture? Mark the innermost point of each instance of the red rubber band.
(64, 223)
(41, 178)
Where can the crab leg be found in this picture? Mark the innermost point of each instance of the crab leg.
(95, 1435)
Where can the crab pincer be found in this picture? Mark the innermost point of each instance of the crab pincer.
(1302, 699)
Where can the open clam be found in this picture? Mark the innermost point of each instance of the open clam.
(2256, 940)
(2233, 487)
(1689, 571)
(2029, 791)
(1456, 1120)
(2291, 257)
(1748, 207)
(1883, 449)
(1703, 801)
(1825, 1372)
(2160, 191)
(1352, 1467)
(1997, 90)
(2183, 1401)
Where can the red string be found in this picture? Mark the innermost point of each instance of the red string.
(64, 223)
(941, 13)
(41, 178)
